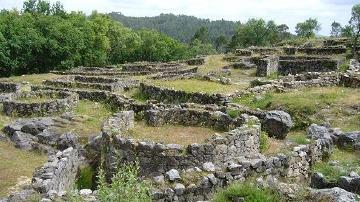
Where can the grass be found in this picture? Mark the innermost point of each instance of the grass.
(89, 117)
(193, 85)
(35, 79)
(85, 179)
(136, 95)
(309, 105)
(248, 191)
(213, 63)
(264, 142)
(4, 120)
(298, 137)
(16, 165)
(170, 134)
(347, 161)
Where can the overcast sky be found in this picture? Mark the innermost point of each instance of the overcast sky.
(289, 12)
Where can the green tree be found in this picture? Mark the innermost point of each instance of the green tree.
(347, 31)
(198, 48)
(283, 32)
(355, 25)
(336, 29)
(256, 32)
(220, 43)
(202, 35)
(308, 28)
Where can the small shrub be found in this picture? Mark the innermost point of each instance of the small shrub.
(248, 191)
(298, 137)
(255, 102)
(264, 142)
(85, 178)
(273, 76)
(124, 186)
(139, 96)
(233, 113)
(330, 172)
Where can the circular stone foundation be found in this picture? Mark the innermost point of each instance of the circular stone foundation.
(39, 103)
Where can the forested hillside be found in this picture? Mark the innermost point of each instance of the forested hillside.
(43, 37)
(180, 27)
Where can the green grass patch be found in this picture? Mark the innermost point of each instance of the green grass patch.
(264, 142)
(347, 161)
(35, 79)
(170, 134)
(261, 102)
(194, 85)
(89, 117)
(136, 94)
(249, 192)
(298, 137)
(85, 178)
(16, 165)
(304, 103)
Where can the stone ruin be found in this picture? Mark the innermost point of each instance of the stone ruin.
(233, 154)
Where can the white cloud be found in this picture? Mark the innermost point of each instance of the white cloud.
(289, 12)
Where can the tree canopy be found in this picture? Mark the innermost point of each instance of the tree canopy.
(44, 37)
(308, 28)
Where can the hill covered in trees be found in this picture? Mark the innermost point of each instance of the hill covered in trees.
(43, 37)
(181, 27)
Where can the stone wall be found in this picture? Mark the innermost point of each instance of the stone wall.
(58, 174)
(267, 66)
(285, 65)
(178, 96)
(265, 50)
(195, 61)
(152, 67)
(58, 102)
(296, 165)
(350, 79)
(299, 66)
(176, 74)
(192, 117)
(155, 158)
(329, 50)
(6, 87)
(98, 83)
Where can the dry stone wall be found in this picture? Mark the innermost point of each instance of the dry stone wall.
(178, 96)
(155, 158)
(58, 102)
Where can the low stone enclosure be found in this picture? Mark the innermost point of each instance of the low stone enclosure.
(138, 68)
(232, 154)
(98, 83)
(284, 65)
(41, 103)
(179, 96)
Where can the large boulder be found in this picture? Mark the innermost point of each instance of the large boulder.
(351, 184)
(277, 123)
(318, 132)
(335, 194)
(23, 140)
(350, 139)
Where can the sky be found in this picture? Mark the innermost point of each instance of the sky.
(289, 12)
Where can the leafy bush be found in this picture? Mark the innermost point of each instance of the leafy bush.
(233, 113)
(124, 186)
(264, 142)
(248, 191)
(255, 102)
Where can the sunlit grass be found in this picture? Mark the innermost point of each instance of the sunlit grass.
(16, 164)
(193, 85)
(170, 134)
(303, 105)
(35, 79)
